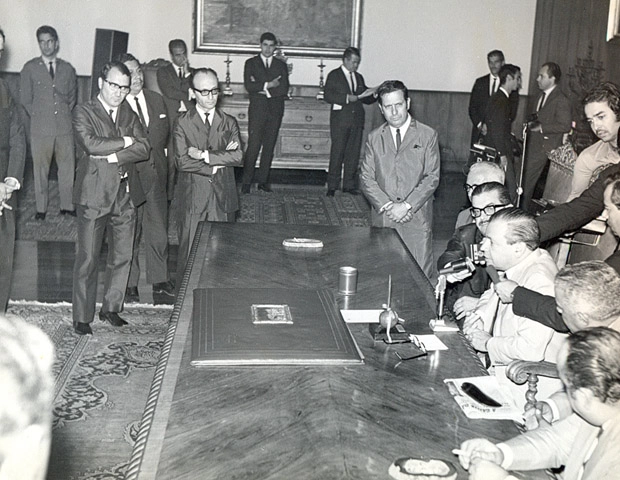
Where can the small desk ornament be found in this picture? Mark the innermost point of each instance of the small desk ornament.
(390, 327)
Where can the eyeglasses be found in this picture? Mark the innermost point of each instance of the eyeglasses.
(469, 188)
(116, 87)
(488, 210)
(213, 92)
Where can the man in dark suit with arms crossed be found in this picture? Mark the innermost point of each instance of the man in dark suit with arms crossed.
(110, 139)
(346, 91)
(266, 80)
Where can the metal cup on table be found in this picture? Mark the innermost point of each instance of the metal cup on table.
(347, 280)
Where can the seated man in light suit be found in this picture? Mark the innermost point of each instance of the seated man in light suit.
(207, 146)
(585, 443)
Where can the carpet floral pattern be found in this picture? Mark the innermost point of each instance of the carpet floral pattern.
(101, 386)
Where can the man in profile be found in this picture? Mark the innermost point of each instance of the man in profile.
(400, 173)
(346, 91)
(110, 140)
(12, 160)
(207, 145)
(266, 80)
(49, 93)
(152, 216)
(26, 360)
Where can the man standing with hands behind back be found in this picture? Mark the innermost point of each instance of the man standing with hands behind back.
(346, 91)
(266, 80)
(400, 173)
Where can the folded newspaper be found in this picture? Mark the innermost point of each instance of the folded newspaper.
(491, 389)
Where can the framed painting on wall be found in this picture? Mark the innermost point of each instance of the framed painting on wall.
(304, 28)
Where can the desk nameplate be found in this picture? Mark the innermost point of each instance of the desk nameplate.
(269, 326)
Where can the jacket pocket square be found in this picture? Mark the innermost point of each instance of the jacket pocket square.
(417, 146)
(162, 115)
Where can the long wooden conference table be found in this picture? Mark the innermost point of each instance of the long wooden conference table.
(305, 421)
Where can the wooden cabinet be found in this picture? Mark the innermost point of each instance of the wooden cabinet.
(304, 140)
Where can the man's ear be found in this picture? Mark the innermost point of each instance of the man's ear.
(100, 83)
(583, 319)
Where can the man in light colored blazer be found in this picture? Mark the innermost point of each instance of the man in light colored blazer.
(400, 173)
(49, 93)
(110, 140)
(207, 146)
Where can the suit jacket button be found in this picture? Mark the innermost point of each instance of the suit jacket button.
(398, 199)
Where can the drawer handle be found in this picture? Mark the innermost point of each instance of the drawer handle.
(307, 147)
(309, 118)
(241, 116)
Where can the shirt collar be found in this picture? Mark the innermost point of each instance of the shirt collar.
(140, 95)
(345, 70)
(549, 90)
(403, 128)
(505, 92)
(105, 105)
(204, 112)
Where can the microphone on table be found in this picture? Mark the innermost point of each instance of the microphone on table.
(459, 265)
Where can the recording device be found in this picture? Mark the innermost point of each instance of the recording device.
(482, 153)
(475, 257)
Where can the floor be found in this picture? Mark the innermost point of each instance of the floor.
(43, 270)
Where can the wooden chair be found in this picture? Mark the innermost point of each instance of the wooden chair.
(521, 371)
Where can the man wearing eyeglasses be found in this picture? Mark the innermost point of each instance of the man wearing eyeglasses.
(207, 146)
(110, 140)
(466, 287)
(479, 173)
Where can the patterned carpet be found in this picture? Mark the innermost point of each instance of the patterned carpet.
(102, 383)
(294, 204)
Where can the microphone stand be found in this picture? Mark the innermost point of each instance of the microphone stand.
(520, 182)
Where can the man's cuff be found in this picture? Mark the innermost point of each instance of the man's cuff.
(112, 158)
(266, 90)
(555, 411)
(15, 185)
(128, 141)
(508, 455)
(382, 209)
(408, 205)
(205, 156)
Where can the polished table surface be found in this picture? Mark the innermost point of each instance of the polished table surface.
(305, 422)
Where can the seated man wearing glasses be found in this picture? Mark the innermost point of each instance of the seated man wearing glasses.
(206, 145)
(465, 286)
(511, 246)
(479, 173)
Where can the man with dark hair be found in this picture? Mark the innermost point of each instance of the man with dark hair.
(266, 80)
(465, 286)
(110, 140)
(12, 160)
(174, 82)
(602, 110)
(207, 145)
(346, 91)
(549, 122)
(49, 93)
(511, 246)
(400, 173)
(499, 119)
(152, 217)
(585, 443)
(483, 90)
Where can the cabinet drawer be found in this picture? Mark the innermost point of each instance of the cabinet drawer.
(239, 112)
(302, 116)
(304, 145)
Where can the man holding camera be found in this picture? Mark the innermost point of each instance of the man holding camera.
(550, 121)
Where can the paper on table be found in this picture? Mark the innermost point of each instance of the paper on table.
(361, 316)
(431, 342)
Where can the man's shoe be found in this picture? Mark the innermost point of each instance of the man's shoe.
(82, 328)
(351, 191)
(265, 187)
(164, 288)
(68, 212)
(331, 193)
(112, 318)
(39, 216)
(245, 188)
(132, 295)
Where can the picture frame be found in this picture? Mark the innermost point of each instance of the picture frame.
(304, 28)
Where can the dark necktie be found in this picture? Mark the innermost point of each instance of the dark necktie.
(52, 69)
(207, 122)
(352, 83)
(111, 112)
(267, 64)
(493, 86)
(140, 113)
(398, 139)
(542, 100)
(181, 73)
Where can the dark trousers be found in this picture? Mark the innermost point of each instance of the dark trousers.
(152, 221)
(535, 162)
(264, 122)
(7, 248)
(346, 144)
(120, 221)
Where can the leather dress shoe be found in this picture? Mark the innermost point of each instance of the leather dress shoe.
(132, 295)
(40, 216)
(164, 288)
(112, 318)
(245, 188)
(82, 328)
(331, 193)
(265, 187)
(68, 212)
(351, 191)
